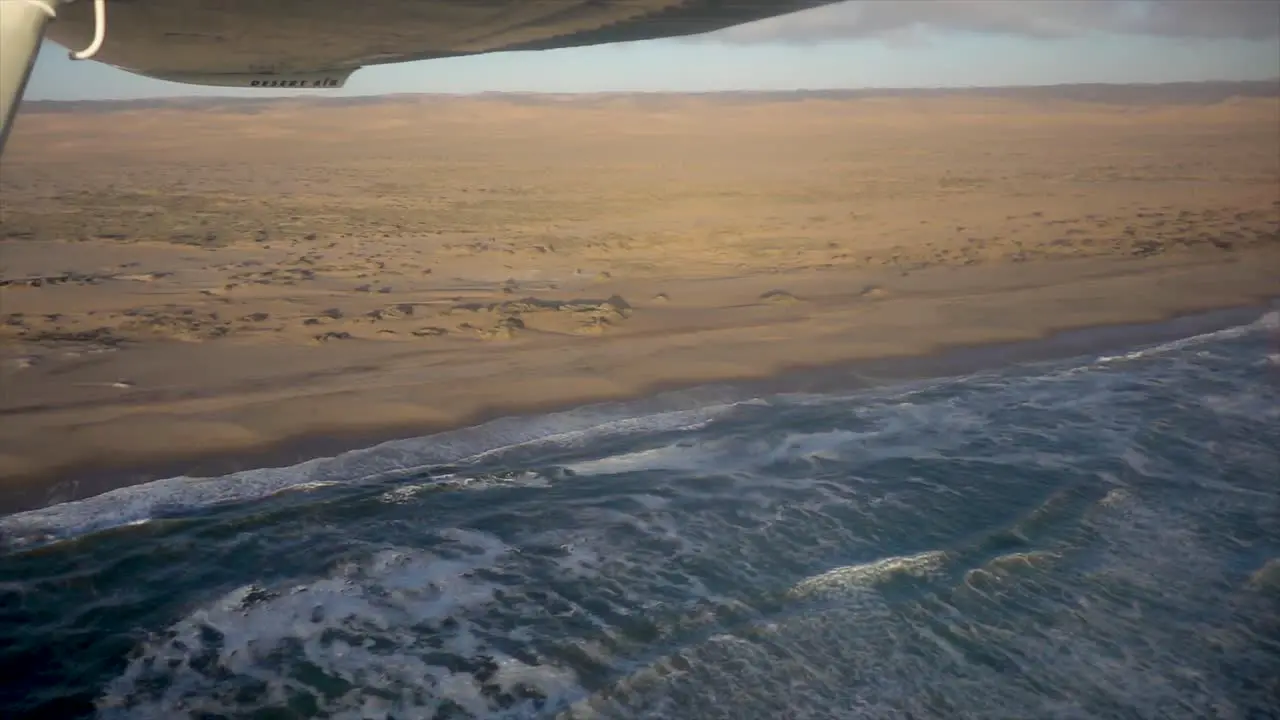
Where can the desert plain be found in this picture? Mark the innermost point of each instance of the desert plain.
(183, 280)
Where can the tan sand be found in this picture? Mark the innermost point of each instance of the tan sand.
(185, 280)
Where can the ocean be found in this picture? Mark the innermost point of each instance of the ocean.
(1090, 537)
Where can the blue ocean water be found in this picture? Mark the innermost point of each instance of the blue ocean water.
(1097, 537)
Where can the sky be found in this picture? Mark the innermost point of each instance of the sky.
(856, 44)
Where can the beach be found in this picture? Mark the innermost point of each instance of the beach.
(187, 280)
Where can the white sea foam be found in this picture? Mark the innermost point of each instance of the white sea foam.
(889, 429)
(667, 457)
(723, 456)
(347, 640)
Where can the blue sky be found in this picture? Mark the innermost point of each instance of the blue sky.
(939, 44)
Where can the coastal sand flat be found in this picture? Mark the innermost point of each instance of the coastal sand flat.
(192, 277)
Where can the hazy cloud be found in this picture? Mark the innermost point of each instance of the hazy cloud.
(858, 19)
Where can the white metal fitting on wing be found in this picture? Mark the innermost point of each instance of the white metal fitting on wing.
(99, 32)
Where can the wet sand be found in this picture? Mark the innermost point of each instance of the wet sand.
(193, 289)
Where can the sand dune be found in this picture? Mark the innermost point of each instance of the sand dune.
(192, 277)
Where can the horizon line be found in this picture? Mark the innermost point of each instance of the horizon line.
(323, 94)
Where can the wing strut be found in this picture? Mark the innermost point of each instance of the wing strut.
(22, 26)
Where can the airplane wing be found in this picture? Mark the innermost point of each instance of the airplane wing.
(319, 43)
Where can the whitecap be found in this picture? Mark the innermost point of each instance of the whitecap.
(864, 575)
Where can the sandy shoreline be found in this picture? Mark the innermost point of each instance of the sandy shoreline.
(270, 294)
(76, 483)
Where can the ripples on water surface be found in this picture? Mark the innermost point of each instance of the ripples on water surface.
(1082, 539)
